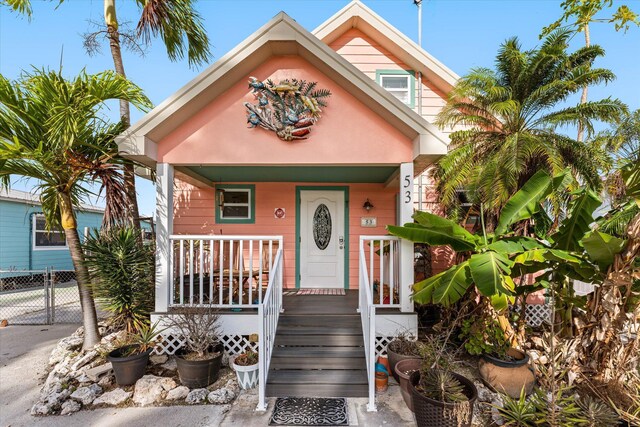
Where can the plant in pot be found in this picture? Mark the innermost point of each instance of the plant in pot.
(402, 347)
(246, 367)
(130, 358)
(200, 358)
(503, 367)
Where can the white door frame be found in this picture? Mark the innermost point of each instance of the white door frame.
(345, 190)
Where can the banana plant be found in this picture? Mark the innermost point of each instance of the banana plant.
(496, 259)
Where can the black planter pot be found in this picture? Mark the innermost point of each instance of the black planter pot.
(128, 369)
(431, 413)
(199, 373)
(518, 358)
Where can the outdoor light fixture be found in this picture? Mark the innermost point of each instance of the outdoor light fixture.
(367, 205)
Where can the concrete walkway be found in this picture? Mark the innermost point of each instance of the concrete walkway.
(24, 351)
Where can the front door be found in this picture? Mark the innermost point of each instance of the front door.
(322, 239)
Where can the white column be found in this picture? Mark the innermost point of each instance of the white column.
(164, 229)
(406, 247)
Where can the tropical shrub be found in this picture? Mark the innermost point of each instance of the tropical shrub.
(122, 270)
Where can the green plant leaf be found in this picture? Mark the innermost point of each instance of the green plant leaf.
(578, 223)
(602, 247)
(430, 220)
(434, 236)
(444, 288)
(488, 270)
(512, 245)
(526, 202)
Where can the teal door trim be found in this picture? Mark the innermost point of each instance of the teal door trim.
(345, 190)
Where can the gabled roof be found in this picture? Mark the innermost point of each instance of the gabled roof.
(357, 15)
(280, 36)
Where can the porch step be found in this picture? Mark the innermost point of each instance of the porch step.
(318, 356)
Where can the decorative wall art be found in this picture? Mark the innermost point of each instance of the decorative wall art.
(288, 108)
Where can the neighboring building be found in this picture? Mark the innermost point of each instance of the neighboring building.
(321, 204)
(25, 244)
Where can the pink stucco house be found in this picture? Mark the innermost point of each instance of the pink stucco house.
(250, 222)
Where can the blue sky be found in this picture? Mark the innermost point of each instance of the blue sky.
(461, 33)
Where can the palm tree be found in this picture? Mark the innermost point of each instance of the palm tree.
(52, 130)
(509, 116)
(179, 26)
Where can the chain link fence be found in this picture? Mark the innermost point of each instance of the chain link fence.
(39, 297)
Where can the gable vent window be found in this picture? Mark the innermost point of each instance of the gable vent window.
(44, 239)
(399, 83)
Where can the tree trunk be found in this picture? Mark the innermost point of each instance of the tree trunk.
(125, 114)
(585, 88)
(89, 316)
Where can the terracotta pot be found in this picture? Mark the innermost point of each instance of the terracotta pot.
(394, 358)
(384, 361)
(404, 369)
(431, 413)
(382, 381)
(199, 373)
(508, 376)
(128, 369)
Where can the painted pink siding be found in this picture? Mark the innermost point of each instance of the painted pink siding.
(349, 132)
(368, 56)
(194, 214)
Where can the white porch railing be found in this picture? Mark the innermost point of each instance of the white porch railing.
(367, 310)
(381, 256)
(221, 271)
(268, 314)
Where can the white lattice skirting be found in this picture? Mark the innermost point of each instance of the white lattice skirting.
(537, 314)
(233, 344)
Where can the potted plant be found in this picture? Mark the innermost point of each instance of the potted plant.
(501, 366)
(402, 347)
(200, 358)
(246, 367)
(130, 358)
(442, 398)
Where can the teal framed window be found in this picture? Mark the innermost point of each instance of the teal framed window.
(400, 83)
(236, 204)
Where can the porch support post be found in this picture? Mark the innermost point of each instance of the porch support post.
(406, 247)
(164, 229)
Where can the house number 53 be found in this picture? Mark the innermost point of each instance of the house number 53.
(406, 188)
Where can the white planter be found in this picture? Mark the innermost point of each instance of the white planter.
(247, 375)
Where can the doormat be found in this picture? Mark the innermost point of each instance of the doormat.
(338, 292)
(309, 411)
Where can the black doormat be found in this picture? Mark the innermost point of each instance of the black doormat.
(309, 411)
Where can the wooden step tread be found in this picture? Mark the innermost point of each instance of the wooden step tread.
(315, 377)
(317, 390)
(316, 330)
(318, 362)
(318, 352)
(319, 340)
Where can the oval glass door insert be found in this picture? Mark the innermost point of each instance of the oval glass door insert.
(322, 226)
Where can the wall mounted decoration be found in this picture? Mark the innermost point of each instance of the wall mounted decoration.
(288, 108)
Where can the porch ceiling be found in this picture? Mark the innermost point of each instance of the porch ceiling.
(334, 174)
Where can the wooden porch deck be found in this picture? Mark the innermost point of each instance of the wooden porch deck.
(321, 304)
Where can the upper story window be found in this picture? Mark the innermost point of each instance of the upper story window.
(235, 204)
(400, 83)
(44, 239)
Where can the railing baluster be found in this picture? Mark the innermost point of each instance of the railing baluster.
(201, 271)
(371, 244)
(240, 268)
(260, 275)
(250, 271)
(231, 261)
(211, 271)
(221, 272)
(181, 271)
(381, 296)
(392, 279)
(172, 282)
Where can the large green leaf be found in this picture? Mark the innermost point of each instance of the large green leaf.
(525, 202)
(488, 270)
(578, 223)
(631, 176)
(435, 221)
(444, 288)
(513, 245)
(602, 248)
(433, 235)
